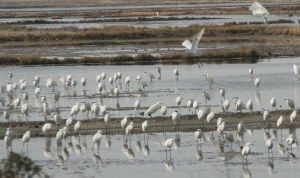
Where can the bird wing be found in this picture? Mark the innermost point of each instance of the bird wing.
(197, 38)
(187, 44)
(258, 9)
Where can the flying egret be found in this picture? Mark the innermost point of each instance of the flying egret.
(176, 73)
(192, 47)
(257, 9)
(290, 103)
(176, 119)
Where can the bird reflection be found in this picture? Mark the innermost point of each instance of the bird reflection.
(169, 165)
(246, 173)
(60, 159)
(146, 149)
(65, 153)
(76, 144)
(47, 149)
(107, 141)
(127, 151)
(177, 142)
(257, 97)
(199, 153)
(138, 146)
(97, 159)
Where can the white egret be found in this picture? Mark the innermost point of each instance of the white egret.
(75, 109)
(37, 91)
(124, 122)
(296, 71)
(200, 114)
(293, 115)
(250, 105)
(136, 106)
(196, 105)
(83, 82)
(273, 102)
(178, 101)
(6, 115)
(176, 119)
(97, 139)
(26, 138)
(210, 117)
(176, 73)
(206, 96)
(168, 144)
(198, 135)
(246, 150)
(8, 138)
(189, 103)
(257, 83)
(192, 47)
(95, 109)
(239, 105)
(222, 93)
(163, 110)
(158, 69)
(290, 103)
(77, 126)
(107, 121)
(221, 128)
(127, 82)
(69, 121)
(226, 105)
(257, 9)
(153, 108)
(280, 121)
(46, 128)
(129, 130)
(145, 126)
(251, 73)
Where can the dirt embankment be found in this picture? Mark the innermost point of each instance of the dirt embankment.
(188, 123)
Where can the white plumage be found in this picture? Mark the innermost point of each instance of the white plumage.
(210, 117)
(192, 47)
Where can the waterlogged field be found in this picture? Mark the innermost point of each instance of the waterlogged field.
(140, 157)
(277, 80)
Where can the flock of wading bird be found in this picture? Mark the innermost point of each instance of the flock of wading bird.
(20, 103)
(14, 102)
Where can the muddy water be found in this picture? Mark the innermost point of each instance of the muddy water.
(148, 158)
(275, 74)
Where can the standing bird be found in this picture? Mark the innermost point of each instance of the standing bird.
(222, 93)
(124, 122)
(127, 82)
(250, 105)
(290, 103)
(129, 129)
(25, 139)
(273, 102)
(200, 114)
(189, 103)
(246, 151)
(226, 105)
(107, 121)
(83, 82)
(178, 101)
(168, 144)
(210, 117)
(266, 115)
(77, 126)
(163, 110)
(136, 106)
(192, 47)
(97, 139)
(296, 71)
(206, 96)
(176, 73)
(145, 126)
(176, 119)
(251, 73)
(239, 105)
(257, 83)
(8, 138)
(280, 121)
(46, 128)
(269, 145)
(293, 115)
(158, 69)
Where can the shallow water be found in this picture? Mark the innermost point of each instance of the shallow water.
(149, 159)
(276, 77)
